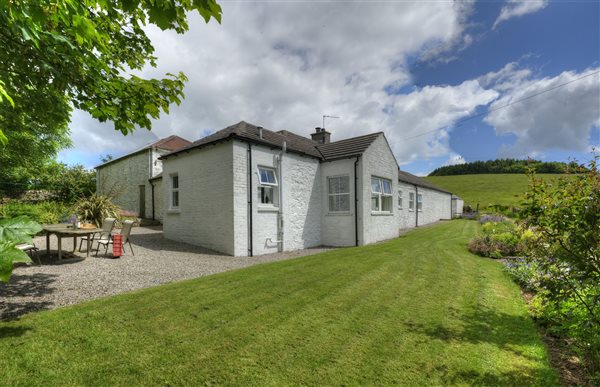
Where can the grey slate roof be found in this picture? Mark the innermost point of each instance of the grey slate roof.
(347, 148)
(418, 181)
(171, 143)
(294, 143)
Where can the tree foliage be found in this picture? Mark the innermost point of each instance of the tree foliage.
(564, 216)
(506, 166)
(60, 54)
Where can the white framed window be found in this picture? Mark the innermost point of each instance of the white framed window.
(381, 195)
(399, 199)
(174, 204)
(267, 186)
(411, 201)
(339, 193)
(419, 202)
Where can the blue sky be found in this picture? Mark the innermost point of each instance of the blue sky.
(433, 76)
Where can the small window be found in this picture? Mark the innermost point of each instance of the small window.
(381, 195)
(174, 191)
(267, 176)
(339, 193)
(267, 191)
(419, 202)
(399, 199)
(411, 201)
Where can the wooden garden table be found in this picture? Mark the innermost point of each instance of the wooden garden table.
(65, 230)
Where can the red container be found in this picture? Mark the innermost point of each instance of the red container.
(117, 245)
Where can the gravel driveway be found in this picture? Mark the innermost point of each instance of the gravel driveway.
(156, 261)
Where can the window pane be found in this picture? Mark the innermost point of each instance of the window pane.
(386, 203)
(375, 185)
(344, 182)
(267, 176)
(175, 181)
(334, 185)
(266, 195)
(387, 186)
(175, 199)
(374, 202)
(332, 203)
(399, 198)
(344, 202)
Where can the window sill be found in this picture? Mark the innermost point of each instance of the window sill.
(267, 209)
(411, 210)
(344, 213)
(382, 213)
(173, 211)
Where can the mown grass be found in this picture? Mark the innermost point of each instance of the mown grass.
(417, 310)
(488, 189)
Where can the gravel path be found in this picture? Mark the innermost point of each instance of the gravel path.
(156, 261)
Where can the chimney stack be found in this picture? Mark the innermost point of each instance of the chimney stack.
(321, 136)
(260, 132)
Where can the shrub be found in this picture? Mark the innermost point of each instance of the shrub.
(42, 212)
(523, 271)
(497, 239)
(95, 209)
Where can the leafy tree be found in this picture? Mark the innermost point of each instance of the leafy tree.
(80, 53)
(505, 166)
(565, 218)
(70, 182)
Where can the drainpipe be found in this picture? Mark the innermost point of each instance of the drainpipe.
(280, 231)
(356, 201)
(249, 162)
(416, 206)
(152, 189)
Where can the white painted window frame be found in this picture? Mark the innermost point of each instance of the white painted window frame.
(265, 184)
(400, 200)
(380, 195)
(420, 202)
(174, 190)
(411, 201)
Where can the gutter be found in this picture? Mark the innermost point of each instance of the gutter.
(356, 200)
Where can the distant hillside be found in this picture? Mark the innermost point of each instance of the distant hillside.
(486, 189)
(505, 166)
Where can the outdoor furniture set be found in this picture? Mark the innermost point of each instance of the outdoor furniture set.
(102, 236)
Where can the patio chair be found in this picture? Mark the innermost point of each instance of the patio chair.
(31, 250)
(107, 226)
(125, 232)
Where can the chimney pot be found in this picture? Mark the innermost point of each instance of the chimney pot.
(260, 132)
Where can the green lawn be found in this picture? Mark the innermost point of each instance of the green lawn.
(505, 189)
(416, 310)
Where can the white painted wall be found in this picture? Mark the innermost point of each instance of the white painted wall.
(457, 207)
(206, 206)
(436, 206)
(301, 201)
(337, 229)
(379, 161)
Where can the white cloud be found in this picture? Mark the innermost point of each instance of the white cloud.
(284, 65)
(516, 8)
(559, 119)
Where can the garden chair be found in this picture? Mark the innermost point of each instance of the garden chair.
(107, 226)
(125, 232)
(31, 250)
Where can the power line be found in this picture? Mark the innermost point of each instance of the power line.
(458, 123)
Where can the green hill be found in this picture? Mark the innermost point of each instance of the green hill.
(486, 189)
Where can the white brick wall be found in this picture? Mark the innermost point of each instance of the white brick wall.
(436, 206)
(378, 160)
(205, 214)
(301, 201)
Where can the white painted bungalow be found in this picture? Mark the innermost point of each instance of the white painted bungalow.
(245, 190)
(134, 180)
